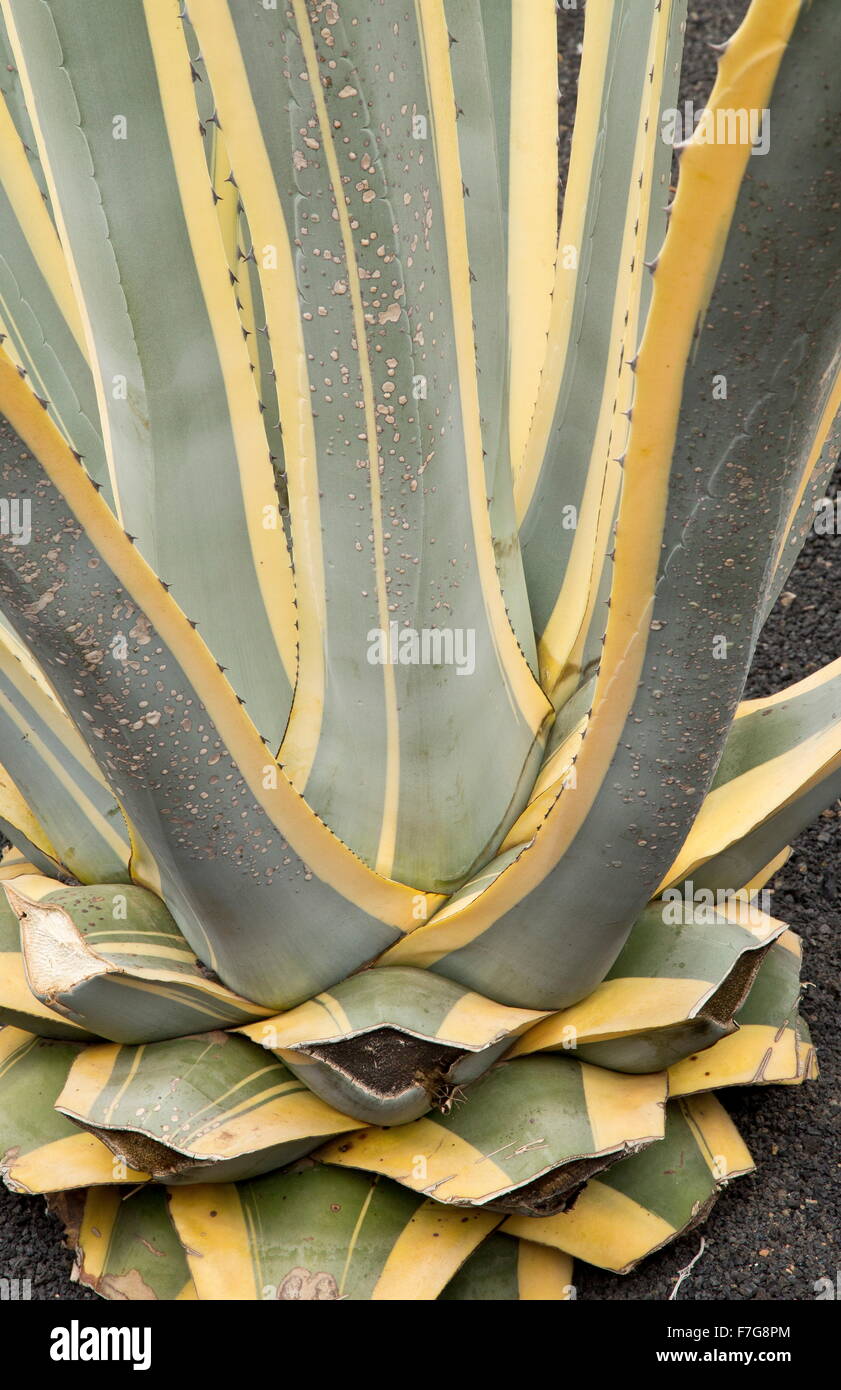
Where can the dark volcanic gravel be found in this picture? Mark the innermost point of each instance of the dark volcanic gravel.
(772, 1235)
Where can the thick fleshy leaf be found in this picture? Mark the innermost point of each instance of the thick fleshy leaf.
(522, 44)
(504, 1270)
(321, 1234)
(810, 507)
(11, 88)
(13, 863)
(698, 524)
(781, 765)
(527, 1136)
(645, 1201)
(187, 454)
(20, 827)
(567, 488)
(112, 960)
(40, 1150)
(218, 831)
(558, 771)
(585, 654)
(401, 617)
(673, 990)
(39, 316)
(55, 774)
(388, 1045)
(18, 1005)
(125, 1243)
(504, 84)
(211, 1104)
(765, 1048)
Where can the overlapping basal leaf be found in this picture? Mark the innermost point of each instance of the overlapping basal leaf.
(780, 767)
(40, 1150)
(643, 1202)
(504, 1271)
(111, 960)
(768, 1044)
(528, 1135)
(218, 831)
(388, 1045)
(322, 1234)
(210, 1106)
(125, 1245)
(19, 1006)
(673, 990)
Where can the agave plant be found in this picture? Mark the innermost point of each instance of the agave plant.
(382, 564)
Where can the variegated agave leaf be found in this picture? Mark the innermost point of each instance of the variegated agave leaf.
(381, 562)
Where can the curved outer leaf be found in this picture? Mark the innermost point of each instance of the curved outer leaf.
(764, 1047)
(56, 774)
(387, 1045)
(40, 1150)
(126, 1246)
(187, 452)
(647, 1200)
(321, 1234)
(113, 961)
(18, 1005)
(746, 856)
(694, 534)
(196, 1105)
(673, 990)
(232, 840)
(38, 311)
(506, 1270)
(529, 1134)
(779, 751)
(387, 490)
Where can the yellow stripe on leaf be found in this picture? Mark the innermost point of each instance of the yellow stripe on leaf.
(722, 1147)
(619, 1105)
(213, 1229)
(532, 204)
(582, 166)
(424, 1157)
(255, 177)
(429, 1251)
(544, 1275)
(755, 1054)
(21, 188)
(603, 1227)
(686, 273)
(271, 559)
(390, 902)
(614, 1009)
(524, 689)
(80, 1160)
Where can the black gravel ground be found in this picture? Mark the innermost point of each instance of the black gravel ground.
(775, 1234)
